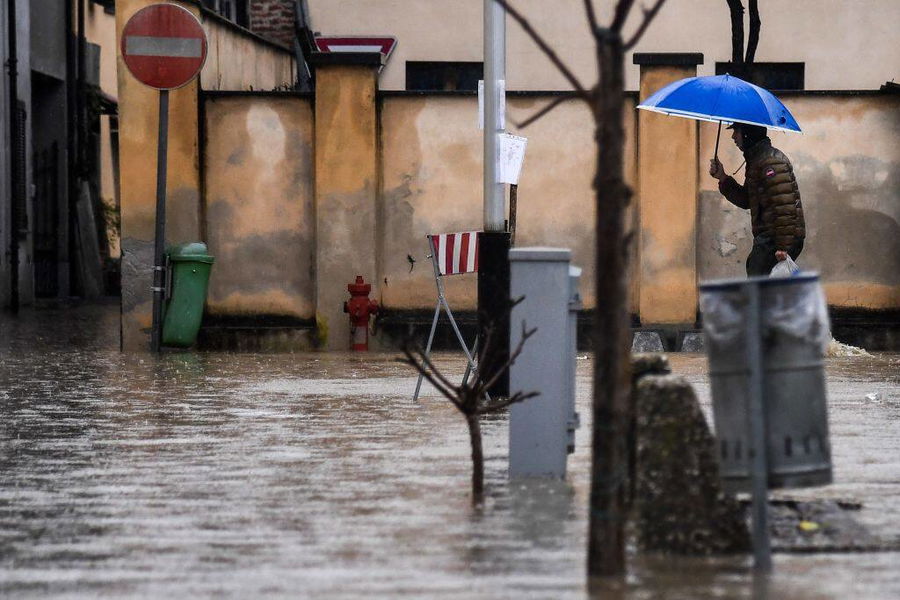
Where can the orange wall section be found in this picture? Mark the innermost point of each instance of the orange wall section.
(667, 198)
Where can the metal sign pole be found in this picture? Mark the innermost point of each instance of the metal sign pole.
(762, 553)
(159, 268)
(494, 100)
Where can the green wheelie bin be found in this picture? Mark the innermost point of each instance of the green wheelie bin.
(189, 267)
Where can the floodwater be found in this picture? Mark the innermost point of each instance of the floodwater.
(316, 476)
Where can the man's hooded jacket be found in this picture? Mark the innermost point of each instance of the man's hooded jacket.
(770, 192)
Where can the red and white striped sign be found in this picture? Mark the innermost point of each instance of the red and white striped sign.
(164, 46)
(357, 43)
(456, 252)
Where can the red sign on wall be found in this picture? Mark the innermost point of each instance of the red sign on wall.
(357, 43)
(164, 46)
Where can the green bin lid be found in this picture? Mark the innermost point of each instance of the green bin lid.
(192, 251)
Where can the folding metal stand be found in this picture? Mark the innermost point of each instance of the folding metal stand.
(453, 261)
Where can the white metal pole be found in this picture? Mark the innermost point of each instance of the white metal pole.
(494, 108)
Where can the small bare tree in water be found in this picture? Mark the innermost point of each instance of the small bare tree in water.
(471, 396)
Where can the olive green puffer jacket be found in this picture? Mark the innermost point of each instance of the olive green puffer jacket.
(770, 192)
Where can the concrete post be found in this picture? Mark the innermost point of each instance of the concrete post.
(667, 193)
(138, 118)
(538, 427)
(346, 185)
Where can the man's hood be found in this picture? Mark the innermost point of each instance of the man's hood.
(757, 148)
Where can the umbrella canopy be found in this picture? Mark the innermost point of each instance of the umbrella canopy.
(722, 98)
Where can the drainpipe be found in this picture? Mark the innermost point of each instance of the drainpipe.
(13, 160)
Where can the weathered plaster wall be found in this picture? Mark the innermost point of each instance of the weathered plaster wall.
(346, 189)
(847, 163)
(432, 174)
(667, 173)
(238, 60)
(258, 181)
(138, 125)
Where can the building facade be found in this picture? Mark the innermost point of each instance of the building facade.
(837, 45)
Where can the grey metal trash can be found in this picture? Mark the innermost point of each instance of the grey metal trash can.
(793, 333)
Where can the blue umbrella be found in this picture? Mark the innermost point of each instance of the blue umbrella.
(722, 98)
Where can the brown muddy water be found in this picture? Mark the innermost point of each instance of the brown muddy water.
(316, 476)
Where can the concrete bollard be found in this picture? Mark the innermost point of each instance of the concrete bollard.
(538, 428)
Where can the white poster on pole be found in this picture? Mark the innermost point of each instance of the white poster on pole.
(512, 155)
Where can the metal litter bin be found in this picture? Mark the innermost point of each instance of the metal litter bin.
(188, 272)
(793, 331)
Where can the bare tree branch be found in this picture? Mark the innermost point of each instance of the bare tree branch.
(753, 34)
(547, 109)
(622, 10)
(428, 365)
(648, 18)
(591, 16)
(545, 48)
(497, 373)
(504, 402)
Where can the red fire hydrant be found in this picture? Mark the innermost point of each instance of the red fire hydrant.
(360, 308)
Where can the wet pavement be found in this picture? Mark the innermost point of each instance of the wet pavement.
(316, 476)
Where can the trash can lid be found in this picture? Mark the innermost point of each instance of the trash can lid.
(191, 251)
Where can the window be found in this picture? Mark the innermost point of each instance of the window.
(770, 75)
(233, 10)
(443, 76)
(109, 6)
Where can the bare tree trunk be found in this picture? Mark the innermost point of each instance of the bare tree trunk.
(737, 32)
(753, 34)
(611, 402)
(477, 457)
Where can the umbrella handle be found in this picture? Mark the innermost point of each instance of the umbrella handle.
(718, 133)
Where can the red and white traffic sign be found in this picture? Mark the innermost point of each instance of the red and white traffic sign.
(164, 46)
(357, 43)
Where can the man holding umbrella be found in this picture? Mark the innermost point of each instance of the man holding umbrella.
(770, 192)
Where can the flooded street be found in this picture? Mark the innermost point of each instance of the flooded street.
(315, 475)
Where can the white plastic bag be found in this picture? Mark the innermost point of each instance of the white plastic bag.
(785, 268)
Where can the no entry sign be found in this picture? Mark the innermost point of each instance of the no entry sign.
(163, 46)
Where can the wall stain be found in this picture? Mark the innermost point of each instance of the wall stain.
(850, 204)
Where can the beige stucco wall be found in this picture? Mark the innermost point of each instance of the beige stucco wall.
(238, 60)
(847, 164)
(845, 45)
(432, 183)
(258, 182)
